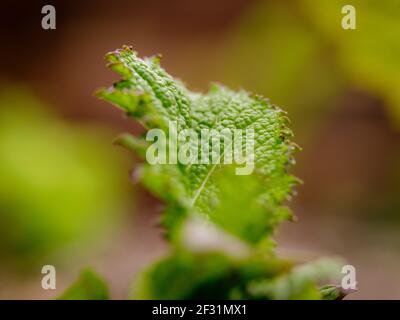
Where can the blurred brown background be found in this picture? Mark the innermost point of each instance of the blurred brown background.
(345, 121)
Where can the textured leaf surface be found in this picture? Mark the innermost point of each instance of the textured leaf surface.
(150, 95)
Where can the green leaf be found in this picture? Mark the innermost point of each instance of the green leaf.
(154, 98)
(89, 286)
(332, 292)
(246, 213)
(59, 187)
(209, 264)
(300, 283)
(204, 275)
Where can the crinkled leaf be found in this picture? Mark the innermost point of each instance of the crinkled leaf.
(153, 97)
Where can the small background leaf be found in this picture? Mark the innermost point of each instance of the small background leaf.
(89, 286)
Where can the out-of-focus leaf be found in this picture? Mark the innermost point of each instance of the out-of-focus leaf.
(273, 51)
(60, 186)
(207, 266)
(301, 283)
(207, 275)
(332, 292)
(369, 55)
(89, 286)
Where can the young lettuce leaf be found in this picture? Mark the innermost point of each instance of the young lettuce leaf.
(155, 99)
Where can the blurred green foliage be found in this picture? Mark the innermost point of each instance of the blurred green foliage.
(369, 55)
(206, 263)
(210, 275)
(89, 286)
(299, 284)
(285, 61)
(61, 184)
(298, 54)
